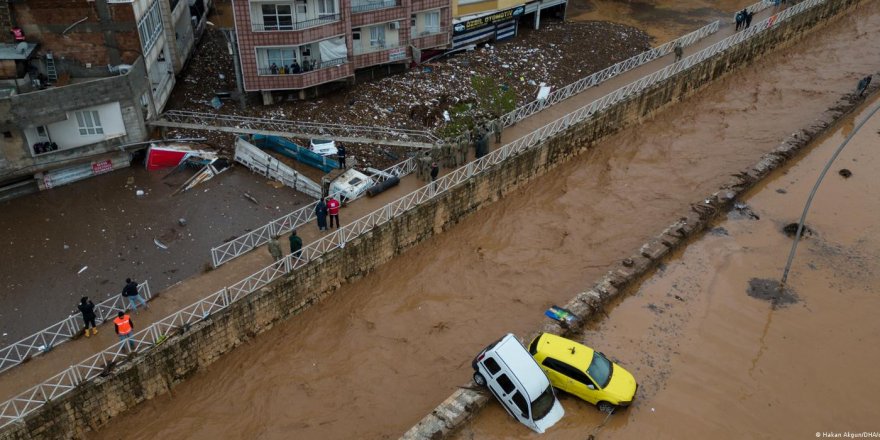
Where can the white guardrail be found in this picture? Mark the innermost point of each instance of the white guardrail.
(156, 333)
(260, 236)
(63, 331)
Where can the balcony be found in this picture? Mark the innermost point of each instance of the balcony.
(371, 5)
(296, 25)
(429, 37)
(269, 71)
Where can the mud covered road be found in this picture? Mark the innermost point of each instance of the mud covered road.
(374, 358)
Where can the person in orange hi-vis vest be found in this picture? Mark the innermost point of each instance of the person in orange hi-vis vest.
(125, 328)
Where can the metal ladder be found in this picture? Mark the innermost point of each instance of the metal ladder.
(296, 129)
(51, 72)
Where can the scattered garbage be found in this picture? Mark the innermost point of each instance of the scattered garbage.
(181, 221)
(791, 230)
(845, 173)
(139, 193)
(82, 270)
(159, 243)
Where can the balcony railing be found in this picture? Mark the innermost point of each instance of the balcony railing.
(297, 25)
(371, 5)
(360, 50)
(268, 71)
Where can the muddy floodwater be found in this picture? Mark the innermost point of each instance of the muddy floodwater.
(379, 354)
(713, 361)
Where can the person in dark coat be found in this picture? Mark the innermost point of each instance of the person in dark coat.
(296, 244)
(749, 16)
(340, 152)
(130, 291)
(863, 85)
(87, 308)
(435, 171)
(321, 214)
(740, 19)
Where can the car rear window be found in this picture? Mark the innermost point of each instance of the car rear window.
(491, 365)
(506, 384)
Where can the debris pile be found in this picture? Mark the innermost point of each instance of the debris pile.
(556, 55)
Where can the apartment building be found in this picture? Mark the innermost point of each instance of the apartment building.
(78, 79)
(305, 44)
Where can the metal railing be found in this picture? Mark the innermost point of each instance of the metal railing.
(371, 5)
(282, 225)
(296, 25)
(58, 385)
(296, 129)
(260, 236)
(63, 331)
(307, 68)
(605, 74)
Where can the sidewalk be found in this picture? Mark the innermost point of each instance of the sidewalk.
(186, 292)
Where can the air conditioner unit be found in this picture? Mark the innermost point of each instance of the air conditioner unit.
(394, 25)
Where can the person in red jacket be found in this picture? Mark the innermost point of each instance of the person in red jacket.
(333, 210)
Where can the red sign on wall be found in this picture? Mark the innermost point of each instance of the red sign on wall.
(102, 167)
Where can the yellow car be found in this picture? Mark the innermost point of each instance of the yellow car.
(583, 372)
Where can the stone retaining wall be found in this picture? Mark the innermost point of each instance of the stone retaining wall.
(156, 371)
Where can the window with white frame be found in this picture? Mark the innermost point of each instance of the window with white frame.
(377, 36)
(280, 57)
(301, 8)
(432, 22)
(277, 16)
(326, 7)
(150, 27)
(89, 123)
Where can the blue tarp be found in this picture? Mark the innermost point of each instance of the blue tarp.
(292, 150)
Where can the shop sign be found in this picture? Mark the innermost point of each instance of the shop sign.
(486, 20)
(397, 54)
(102, 167)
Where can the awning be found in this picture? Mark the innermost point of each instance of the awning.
(18, 51)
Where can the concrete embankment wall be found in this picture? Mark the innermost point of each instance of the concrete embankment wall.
(156, 371)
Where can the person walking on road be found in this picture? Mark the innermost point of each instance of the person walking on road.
(340, 153)
(333, 210)
(435, 171)
(296, 244)
(275, 249)
(87, 308)
(740, 19)
(678, 52)
(130, 291)
(749, 16)
(863, 85)
(124, 328)
(321, 214)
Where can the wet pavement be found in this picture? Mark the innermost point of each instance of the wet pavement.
(376, 356)
(713, 361)
(86, 238)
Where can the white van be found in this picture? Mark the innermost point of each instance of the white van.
(516, 380)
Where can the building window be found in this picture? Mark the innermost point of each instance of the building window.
(150, 27)
(280, 59)
(356, 34)
(326, 7)
(377, 36)
(277, 17)
(432, 22)
(301, 7)
(89, 123)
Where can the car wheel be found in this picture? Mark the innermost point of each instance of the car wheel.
(605, 407)
(479, 379)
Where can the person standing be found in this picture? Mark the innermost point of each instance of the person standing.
(863, 85)
(679, 51)
(87, 308)
(749, 16)
(130, 291)
(296, 244)
(496, 128)
(740, 19)
(333, 210)
(435, 171)
(275, 249)
(340, 152)
(124, 328)
(321, 214)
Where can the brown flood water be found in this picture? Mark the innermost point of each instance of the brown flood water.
(373, 359)
(712, 361)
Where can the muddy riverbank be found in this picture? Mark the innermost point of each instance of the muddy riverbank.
(409, 329)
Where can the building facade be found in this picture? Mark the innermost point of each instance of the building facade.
(90, 74)
(303, 44)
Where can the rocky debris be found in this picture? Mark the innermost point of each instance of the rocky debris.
(557, 54)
